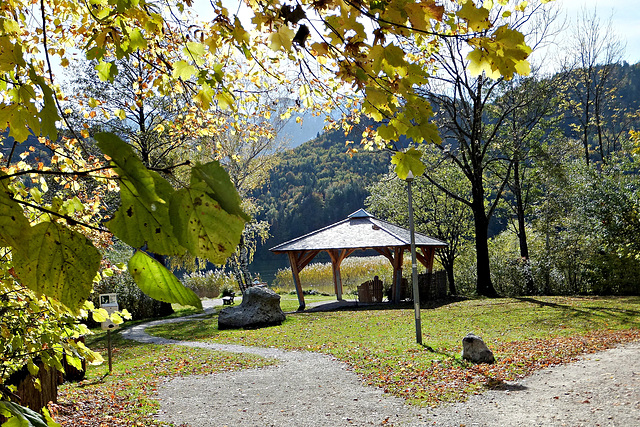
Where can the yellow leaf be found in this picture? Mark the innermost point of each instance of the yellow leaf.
(225, 100)
(239, 33)
(408, 161)
(523, 67)
(100, 315)
(183, 70)
(477, 18)
(376, 97)
(281, 39)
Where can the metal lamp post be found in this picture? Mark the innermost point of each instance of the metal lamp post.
(414, 264)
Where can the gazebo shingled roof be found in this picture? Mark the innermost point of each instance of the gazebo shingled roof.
(359, 231)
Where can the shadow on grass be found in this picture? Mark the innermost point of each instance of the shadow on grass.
(622, 315)
(352, 305)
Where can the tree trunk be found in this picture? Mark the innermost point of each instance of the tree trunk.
(240, 265)
(600, 143)
(448, 268)
(484, 286)
(447, 258)
(33, 397)
(244, 262)
(522, 229)
(587, 117)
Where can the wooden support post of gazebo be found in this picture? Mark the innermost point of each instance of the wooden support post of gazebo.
(337, 256)
(295, 272)
(298, 261)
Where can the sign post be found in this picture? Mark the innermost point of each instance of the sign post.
(110, 303)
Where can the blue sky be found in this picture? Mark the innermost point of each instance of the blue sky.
(625, 15)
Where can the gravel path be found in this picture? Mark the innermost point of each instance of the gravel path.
(311, 389)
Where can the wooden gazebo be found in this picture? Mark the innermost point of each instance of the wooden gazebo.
(359, 231)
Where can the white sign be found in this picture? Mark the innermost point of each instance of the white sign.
(110, 303)
(108, 300)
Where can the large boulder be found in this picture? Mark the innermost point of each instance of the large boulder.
(259, 307)
(475, 350)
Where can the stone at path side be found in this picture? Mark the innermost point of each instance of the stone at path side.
(475, 350)
(259, 307)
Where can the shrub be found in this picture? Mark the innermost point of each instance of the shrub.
(130, 297)
(208, 284)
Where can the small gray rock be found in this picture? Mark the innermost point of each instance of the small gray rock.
(259, 307)
(475, 350)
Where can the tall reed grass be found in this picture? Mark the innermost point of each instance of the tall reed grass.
(354, 271)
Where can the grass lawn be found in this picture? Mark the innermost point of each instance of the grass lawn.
(289, 302)
(525, 334)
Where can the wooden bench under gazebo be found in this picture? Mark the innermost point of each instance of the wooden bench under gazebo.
(359, 231)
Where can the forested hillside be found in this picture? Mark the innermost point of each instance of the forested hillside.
(315, 185)
(318, 183)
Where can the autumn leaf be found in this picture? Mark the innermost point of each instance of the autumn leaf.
(183, 70)
(281, 39)
(476, 17)
(107, 71)
(408, 161)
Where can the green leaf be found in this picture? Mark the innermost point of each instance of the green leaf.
(13, 224)
(183, 70)
(138, 222)
(159, 283)
(12, 55)
(24, 417)
(203, 227)
(377, 97)
(394, 56)
(408, 161)
(129, 166)
(220, 187)
(74, 361)
(205, 96)
(137, 39)
(194, 48)
(49, 112)
(58, 262)
(107, 71)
